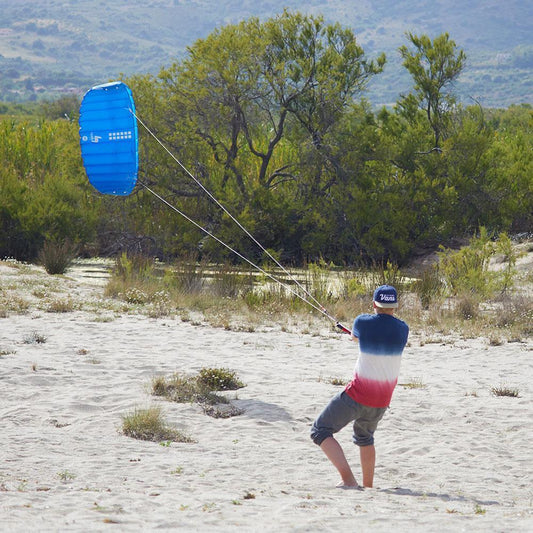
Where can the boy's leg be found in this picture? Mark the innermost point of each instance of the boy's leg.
(364, 428)
(335, 454)
(333, 418)
(368, 463)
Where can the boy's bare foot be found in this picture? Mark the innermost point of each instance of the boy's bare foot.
(344, 486)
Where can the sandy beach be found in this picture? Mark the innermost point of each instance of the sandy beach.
(451, 456)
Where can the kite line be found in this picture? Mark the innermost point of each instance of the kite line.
(110, 153)
(309, 299)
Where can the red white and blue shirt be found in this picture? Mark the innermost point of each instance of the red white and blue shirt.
(382, 338)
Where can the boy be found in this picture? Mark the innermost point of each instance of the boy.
(382, 338)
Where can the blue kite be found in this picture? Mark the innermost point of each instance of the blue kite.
(109, 138)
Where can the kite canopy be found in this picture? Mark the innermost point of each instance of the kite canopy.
(109, 138)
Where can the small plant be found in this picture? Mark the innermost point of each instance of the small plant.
(467, 306)
(199, 389)
(479, 510)
(333, 381)
(219, 379)
(414, 383)
(34, 338)
(60, 306)
(502, 390)
(148, 424)
(222, 411)
(56, 257)
(133, 295)
(66, 476)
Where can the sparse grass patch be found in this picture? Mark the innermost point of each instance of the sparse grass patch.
(12, 303)
(34, 338)
(61, 305)
(503, 390)
(413, 383)
(467, 307)
(148, 424)
(333, 381)
(66, 476)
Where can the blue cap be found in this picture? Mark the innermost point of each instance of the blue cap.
(386, 297)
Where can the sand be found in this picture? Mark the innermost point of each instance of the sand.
(451, 456)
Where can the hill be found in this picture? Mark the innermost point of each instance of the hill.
(51, 47)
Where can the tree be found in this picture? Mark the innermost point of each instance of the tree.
(252, 110)
(434, 66)
(241, 85)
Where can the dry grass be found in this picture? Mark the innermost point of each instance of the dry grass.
(413, 383)
(503, 390)
(226, 298)
(149, 424)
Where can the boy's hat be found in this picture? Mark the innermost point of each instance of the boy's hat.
(386, 297)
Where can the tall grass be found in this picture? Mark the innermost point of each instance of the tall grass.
(444, 297)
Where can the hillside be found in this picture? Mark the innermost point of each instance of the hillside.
(50, 47)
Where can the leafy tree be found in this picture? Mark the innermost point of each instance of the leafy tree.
(434, 66)
(251, 109)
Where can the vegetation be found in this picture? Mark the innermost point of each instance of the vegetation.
(199, 389)
(271, 117)
(504, 390)
(56, 257)
(149, 424)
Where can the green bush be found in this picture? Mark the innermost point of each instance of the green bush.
(466, 271)
(56, 257)
(148, 424)
(219, 379)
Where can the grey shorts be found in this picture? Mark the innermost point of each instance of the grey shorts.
(342, 410)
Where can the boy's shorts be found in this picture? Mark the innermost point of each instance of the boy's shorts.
(342, 410)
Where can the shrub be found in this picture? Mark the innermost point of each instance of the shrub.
(502, 390)
(429, 288)
(56, 257)
(229, 282)
(467, 306)
(467, 270)
(134, 267)
(219, 379)
(199, 389)
(187, 275)
(386, 274)
(148, 424)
